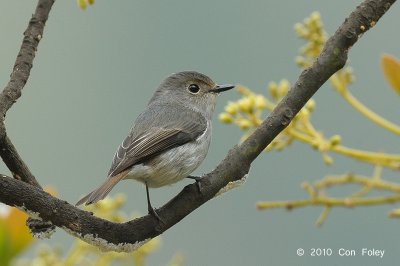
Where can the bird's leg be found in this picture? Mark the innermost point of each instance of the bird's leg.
(197, 179)
(149, 207)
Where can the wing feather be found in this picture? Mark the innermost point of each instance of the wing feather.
(156, 139)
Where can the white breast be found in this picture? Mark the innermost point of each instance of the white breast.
(174, 164)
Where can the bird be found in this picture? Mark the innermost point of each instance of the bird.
(169, 139)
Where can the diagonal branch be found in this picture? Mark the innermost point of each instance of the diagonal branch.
(130, 235)
(18, 78)
(13, 90)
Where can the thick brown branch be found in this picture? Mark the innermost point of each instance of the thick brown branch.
(125, 236)
(13, 90)
(18, 78)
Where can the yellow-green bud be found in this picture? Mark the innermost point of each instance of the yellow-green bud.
(315, 16)
(232, 108)
(305, 112)
(243, 123)
(284, 86)
(81, 4)
(225, 118)
(335, 140)
(245, 105)
(315, 145)
(300, 61)
(300, 30)
(252, 101)
(310, 105)
(273, 89)
(260, 102)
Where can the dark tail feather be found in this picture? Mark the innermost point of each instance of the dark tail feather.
(102, 191)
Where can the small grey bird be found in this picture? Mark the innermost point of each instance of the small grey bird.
(169, 140)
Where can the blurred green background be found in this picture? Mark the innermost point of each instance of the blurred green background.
(96, 69)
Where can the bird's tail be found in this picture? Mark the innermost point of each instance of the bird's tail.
(102, 191)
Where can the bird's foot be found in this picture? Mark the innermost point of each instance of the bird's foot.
(153, 213)
(197, 179)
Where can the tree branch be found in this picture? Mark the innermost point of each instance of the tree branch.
(130, 235)
(13, 90)
(18, 78)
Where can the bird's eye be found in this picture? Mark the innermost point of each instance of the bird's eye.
(193, 88)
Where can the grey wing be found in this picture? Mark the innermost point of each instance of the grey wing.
(137, 148)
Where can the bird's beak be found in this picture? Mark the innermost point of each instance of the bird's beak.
(221, 88)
